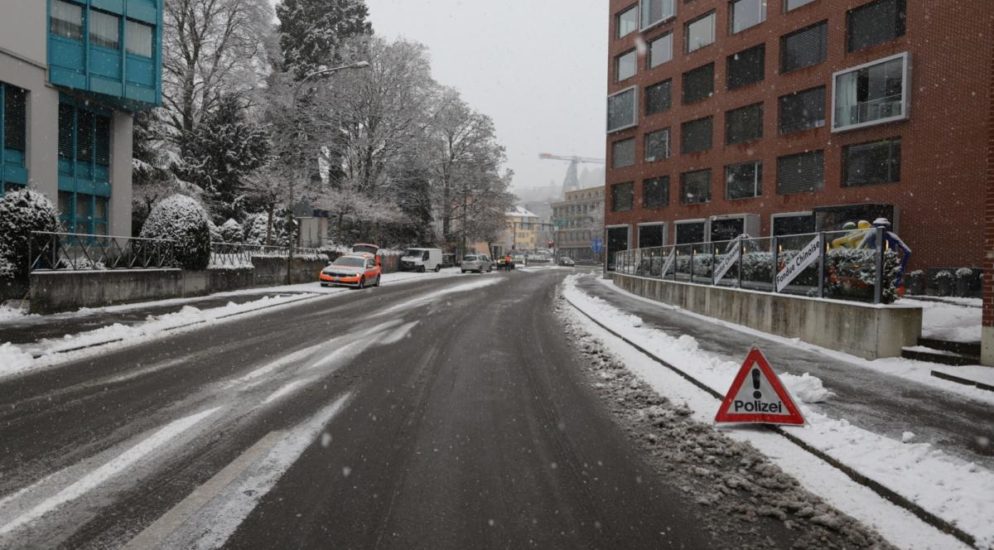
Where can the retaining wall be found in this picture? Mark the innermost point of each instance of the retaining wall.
(866, 330)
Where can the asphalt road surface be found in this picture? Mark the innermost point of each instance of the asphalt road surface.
(444, 414)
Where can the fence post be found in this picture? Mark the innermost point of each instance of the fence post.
(822, 257)
(878, 288)
(742, 252)
(776, 261)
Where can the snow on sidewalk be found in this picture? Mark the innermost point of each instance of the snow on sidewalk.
(960, 492)
(957, 322)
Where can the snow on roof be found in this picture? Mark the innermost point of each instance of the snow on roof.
(521, 211)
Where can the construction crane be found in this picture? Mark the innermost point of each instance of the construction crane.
(572, 181)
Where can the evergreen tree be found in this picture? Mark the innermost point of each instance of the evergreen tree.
(312, 32)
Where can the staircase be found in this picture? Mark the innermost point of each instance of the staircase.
(941, 351)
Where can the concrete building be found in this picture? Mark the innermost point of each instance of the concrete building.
(579, 219)
(71, 75)
(773, 117)
(525, 232)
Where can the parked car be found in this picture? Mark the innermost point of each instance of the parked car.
(356, 270)
(566, 261)
(421, 260)
(476, 262)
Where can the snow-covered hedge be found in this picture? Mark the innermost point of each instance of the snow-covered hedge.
(184, 221)
(22, 212)
(256, 227)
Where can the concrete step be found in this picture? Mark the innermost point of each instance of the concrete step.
(960, 348)
(944, 357)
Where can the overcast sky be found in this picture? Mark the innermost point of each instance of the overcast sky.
(537, 67)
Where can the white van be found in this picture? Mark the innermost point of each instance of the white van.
(421, 260)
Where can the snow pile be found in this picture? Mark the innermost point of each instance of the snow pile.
(13, 360)
(806, 388)
(8, 313)
(182, 220)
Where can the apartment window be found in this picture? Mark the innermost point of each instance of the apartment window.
(744, 181)
(66, 20)
(802, 110)
(628, 21)
(656, 11)
(696, 135)
(870, 94)
(794, 4)
(872, 163)
(744, 124)
(623, 153)
(689, 232)
(875, 23)
(746, 67)
(622, 197)
(658, 97)
(698, 84)
(801, 173)
(695, 187)
(84, 143)
(699, 32)
(105, 30)
(660, 50)
(747, 13)
(13, 124)
(621, 110)
(804, 48)
(656, 192)
(657, 145)
(625, 65)
(139, 39)
(652, 235)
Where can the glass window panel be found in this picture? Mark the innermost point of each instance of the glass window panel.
(654, 11)
(690, 233)
(66, 20)
(621, 110)
(872, 163)
(875, 23)
(793, 225)
(747, 13)
(695, 187)
(804, 48)
(744, 181)
(696, 135)
(744, 124)
(658, 97)
(14, 117)
(698, 84)
(139, 39)
(103, 140)
(800, 173)
(623, 153)
(802, 110)
(794, 4)
(626, 65)
(66, 131)
(651, 236)
(656, 192)
(660, 50)
(870, 94)
(700, 32)
(746, 67)
(657, 145)
(622, 197)
(105, 29)
(84, 136)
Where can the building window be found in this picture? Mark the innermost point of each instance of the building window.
(699, 33)
(13, 131)
(656, 192)
(696, 135)
(660, 50)
(875, 23)
(793, 224)
(625, 65)
(623, 153)
(747, 13)
(105, 30)
(870, 94)
(744, 124)
(656, 11)
(871, 163)
(657, 145)
(794, 4)
(627, 21)
(690, 232)
(746, 67)
(622, 197)
(802, 110)
(621, 110)
(66, 20)
(726, 229)
(804, 48)
(139, 39)
(698, 84)
(744, 181)
(658, 97)
(84, 159)
(617, 241)
(800, 173)
(652, 236)
(695, 187)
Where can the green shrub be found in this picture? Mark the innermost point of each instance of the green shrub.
(22, 212)
(183, 220)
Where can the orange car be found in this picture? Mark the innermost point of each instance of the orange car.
(356, 270)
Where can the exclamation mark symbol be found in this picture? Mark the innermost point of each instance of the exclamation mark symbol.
(755, 385)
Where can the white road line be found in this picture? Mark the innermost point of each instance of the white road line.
(275, 365)
(95, 478)
(287, 389)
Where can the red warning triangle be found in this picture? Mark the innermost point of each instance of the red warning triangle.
(758, 396)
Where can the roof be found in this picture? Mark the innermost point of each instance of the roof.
(521, 211)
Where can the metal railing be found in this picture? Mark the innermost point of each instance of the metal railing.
(830, 264)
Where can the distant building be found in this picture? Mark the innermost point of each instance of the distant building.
(579, 219)
(525, 232)
(791, 116)
(71, 75)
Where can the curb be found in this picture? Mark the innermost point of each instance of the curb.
(960, 380)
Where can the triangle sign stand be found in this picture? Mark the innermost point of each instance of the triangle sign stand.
(757, 396)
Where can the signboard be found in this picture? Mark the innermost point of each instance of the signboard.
(597, 245)
(758, 397)
(668, 264)
(807, 256)
(729, 260)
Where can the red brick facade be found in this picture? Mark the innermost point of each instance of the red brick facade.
(989, 216)
(944, 163)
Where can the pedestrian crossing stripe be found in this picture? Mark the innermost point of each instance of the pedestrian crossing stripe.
(757, 396)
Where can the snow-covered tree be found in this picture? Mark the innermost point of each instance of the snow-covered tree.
(183, 220)
(232, 232)
(22, 212)
(261, 229)
(312, 32)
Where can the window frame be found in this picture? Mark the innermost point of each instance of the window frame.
(729, 61)
(635, 109)
(648, 51)
(905, 92)
(83, 23)
(820, 186)
(690, 221)
(731, 15)
(683, 84)
(669, 145)
(614, 153)
(683, 187)
(713, 15)
(780, 111)
(757, 180)
(728, 118)
(614, 202)
(890, 143)
(94, 39)
(664, 203)
(660, 225)
(669, 104)
(787, 8)
(13, 160)
(646, 25)
(617, 65)
(624, 11)
(129, 25)
(783, 46)
(849, 18)
(683, 136)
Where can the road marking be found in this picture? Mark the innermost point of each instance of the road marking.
(289, 388)
(277, 364)
(214, 511)
(430, 297)
(95, 478)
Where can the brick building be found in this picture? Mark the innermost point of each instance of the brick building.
(789, 116)
(578, 219)
(987, 331)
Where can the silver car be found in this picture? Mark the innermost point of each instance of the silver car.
(476, 262)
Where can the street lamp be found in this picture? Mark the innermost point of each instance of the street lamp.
(293, 112)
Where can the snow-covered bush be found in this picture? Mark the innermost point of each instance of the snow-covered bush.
(964, 273)
(256, 227)
(944, 275)
(232, 232)
(216, 236)
(22, 212)
(181, 219)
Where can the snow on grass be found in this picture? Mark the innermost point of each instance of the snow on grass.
(949, 321)
(951, 488)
